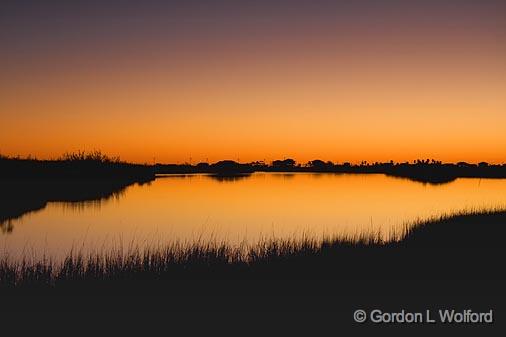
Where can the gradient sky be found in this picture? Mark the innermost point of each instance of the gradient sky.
(255, 80)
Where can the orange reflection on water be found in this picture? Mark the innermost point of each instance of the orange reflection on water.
(188, 208)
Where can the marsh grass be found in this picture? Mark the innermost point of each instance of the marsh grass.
(468, 244)
(93, 156)
(79, 166)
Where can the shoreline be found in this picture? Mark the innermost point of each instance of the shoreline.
(460, 246)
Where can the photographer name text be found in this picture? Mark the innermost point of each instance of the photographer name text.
(444, 316)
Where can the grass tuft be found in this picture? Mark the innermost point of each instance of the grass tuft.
(463, 245)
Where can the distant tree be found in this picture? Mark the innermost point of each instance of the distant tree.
(320, 164)
(257, 164)
(286, 163)
(226, 164)
(202, 165)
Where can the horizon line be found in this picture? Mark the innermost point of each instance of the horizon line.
(301, 163)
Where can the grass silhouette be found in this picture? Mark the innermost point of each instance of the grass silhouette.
(77, 166)
(467, 245)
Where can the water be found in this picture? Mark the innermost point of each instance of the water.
(241, 209)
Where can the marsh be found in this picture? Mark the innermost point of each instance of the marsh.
(199, 207)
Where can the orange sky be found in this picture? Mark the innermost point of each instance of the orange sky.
(376, 86)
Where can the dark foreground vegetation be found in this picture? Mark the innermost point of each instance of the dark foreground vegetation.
(79, 166)
(27, 185)
(463, 246)
(426, 171)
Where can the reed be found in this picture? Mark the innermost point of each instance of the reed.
(463, 245)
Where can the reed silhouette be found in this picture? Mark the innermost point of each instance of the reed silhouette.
(462, 246)
(79, 166)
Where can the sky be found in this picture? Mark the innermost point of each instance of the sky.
(181, 81)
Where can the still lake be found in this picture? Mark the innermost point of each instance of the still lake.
(242, 209)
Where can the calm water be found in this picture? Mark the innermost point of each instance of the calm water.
(261, 205)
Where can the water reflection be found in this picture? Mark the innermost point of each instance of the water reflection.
(6, 226)
(235, 209)
(217, 177)
(21, 198)
(229, 177)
